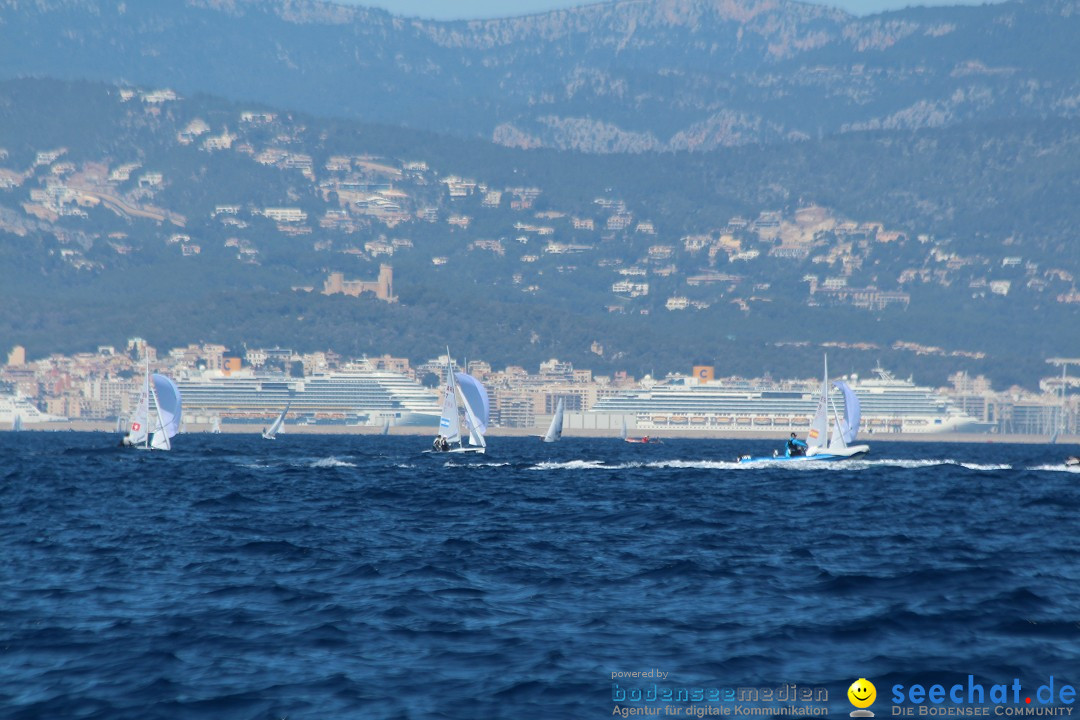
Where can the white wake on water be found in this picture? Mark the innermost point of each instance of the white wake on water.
(449, 464)
(331, 462)
(576, 465)
(858, 464)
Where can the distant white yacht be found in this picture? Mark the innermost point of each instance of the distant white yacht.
(16, 406)
(687, 403)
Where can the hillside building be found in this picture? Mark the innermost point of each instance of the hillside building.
(383, 287)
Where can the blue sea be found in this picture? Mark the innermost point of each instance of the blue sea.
(355, 577)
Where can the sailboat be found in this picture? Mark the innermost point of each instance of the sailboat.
(215, 425)
(477, 413)
(637, 440)
(16, 426)
(821, 444)
(168, 416)
(554, 431)
(386, 428)
(271, 433)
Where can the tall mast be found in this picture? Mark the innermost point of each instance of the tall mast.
(146, 389)
(451, 387)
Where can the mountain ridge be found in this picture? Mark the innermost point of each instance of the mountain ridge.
(627, 76)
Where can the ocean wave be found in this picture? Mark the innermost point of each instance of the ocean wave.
(574, 465)
(450, 463)
(688, 464)
(856, 464)
(331, 462)
(865, 464)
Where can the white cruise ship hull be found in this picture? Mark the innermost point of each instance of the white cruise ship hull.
(683, 404)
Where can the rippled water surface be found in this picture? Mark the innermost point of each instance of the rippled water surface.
(354, 577)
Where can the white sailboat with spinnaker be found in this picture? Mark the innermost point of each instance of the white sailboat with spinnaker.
(821, 443)
(167, 414)
(477, 410)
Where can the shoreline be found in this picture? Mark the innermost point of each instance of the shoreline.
(228, 429)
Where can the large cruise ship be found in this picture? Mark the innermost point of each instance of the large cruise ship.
(16, 406)
(350, 397)
(687, 403)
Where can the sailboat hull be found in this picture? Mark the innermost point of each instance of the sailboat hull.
(847, 453)
(477, 450)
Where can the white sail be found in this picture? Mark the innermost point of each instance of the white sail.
(818, 436)
(475, 436)
(17, 425)
(849, 428)
(215, 425)
(160, 439)
(624, 432)
(271, 434)
(477, 408)
(554, 431)
(476, 397)
(138, 426)
(449, 427)
(837, 441)
(169, 415)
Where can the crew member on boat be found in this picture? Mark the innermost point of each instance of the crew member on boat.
(795, 446)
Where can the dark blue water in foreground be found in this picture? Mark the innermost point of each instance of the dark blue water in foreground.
(352, 577)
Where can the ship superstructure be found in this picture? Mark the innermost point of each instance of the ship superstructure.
(16, 406)
(349, 397)
(888, 405)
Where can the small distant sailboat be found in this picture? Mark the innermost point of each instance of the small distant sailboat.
(821, 444)
(385, 428)
(474, 398)
(215, 425)
(637, 440)
(554, 431)
(16, 426)
(167, 402)
(271, 433)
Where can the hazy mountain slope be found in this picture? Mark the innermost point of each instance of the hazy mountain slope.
(629, 75)
(120, 216)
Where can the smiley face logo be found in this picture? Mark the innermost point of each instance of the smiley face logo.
(862, 693)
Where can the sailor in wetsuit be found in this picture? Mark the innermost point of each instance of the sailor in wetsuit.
(795, 446)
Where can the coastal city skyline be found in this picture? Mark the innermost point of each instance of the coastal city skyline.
(226, 384)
